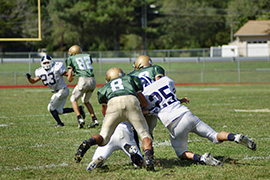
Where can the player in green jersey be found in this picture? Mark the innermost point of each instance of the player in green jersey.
(80, 65)
(148, 73)
(122, 99)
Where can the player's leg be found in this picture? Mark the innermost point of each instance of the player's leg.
(136, 118)
(128, 143)
(179, 131)
(152, 122)
(89, 88)
(204, 130)
(52, 108)
(62, 96)
(238, 138)
(76, 94)
(111, 120)
(103, 152)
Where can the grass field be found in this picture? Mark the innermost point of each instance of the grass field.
(32, 149)
(188, 72)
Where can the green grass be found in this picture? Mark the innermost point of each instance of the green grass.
(31, 149)
(188, 72)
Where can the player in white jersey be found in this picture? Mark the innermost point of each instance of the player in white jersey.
(121, 139)
(51, 73)
(178, 119)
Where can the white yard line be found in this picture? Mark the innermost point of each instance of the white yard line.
(252, 110)
(198, 89)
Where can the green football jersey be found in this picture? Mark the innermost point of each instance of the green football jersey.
(148, 74)
(81, 65)
(126, 85)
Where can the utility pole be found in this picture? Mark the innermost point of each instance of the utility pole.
(144, 27)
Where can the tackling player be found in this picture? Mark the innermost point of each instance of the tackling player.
(51, 73)
(148, 73)
(121, 100)
(180, 122)
(81, 65)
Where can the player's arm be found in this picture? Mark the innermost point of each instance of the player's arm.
(142, 100)
(104, 108)
(184, 100)
(70, 74)
(32, 80)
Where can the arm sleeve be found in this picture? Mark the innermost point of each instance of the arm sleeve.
(159, 71)
(101, 97)
(69, 63)
(62, 68)
(138, 84)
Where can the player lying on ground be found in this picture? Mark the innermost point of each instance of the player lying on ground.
(180, 122)
(51, 73)
(121, 139)
(121, 100)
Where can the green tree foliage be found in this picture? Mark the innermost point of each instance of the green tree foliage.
(118, 24)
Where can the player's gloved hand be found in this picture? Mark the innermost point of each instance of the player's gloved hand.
(28, 76)
(154, 110)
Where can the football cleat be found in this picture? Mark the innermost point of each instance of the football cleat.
(82, 113)
(241, 139)
(136, 159)
(208, 159)
(59, 125)
(94, 122)
(84, 146)
(80, 123)
(95, 163)
(149, 164)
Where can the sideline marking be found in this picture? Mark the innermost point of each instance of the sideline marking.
(252, 110)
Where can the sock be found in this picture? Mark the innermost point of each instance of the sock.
(68, 110)
(56, 116)
(197, 157)
(230, 137)
(79, 117)
(92, 141)
(148, 152)
(94, 118)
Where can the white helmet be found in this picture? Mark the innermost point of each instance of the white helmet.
(46, 62)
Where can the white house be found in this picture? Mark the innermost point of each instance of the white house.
(252, 40)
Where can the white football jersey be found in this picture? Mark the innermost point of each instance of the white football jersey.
(161, 94)
(53, 78)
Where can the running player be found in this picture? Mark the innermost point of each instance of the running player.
(81, 65)
(51, 73)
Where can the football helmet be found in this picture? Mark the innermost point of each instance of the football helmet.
(113, 73)
(46, 62)
(142, 62)
(75, 49)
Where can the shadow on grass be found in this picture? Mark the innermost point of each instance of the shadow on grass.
(163, 163)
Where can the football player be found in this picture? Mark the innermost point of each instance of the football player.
(121, 139)
(148, 73)
(51, 73)
(81, 65)
(121, 98)
(180, 122)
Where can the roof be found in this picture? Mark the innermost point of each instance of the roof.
(254, 28)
